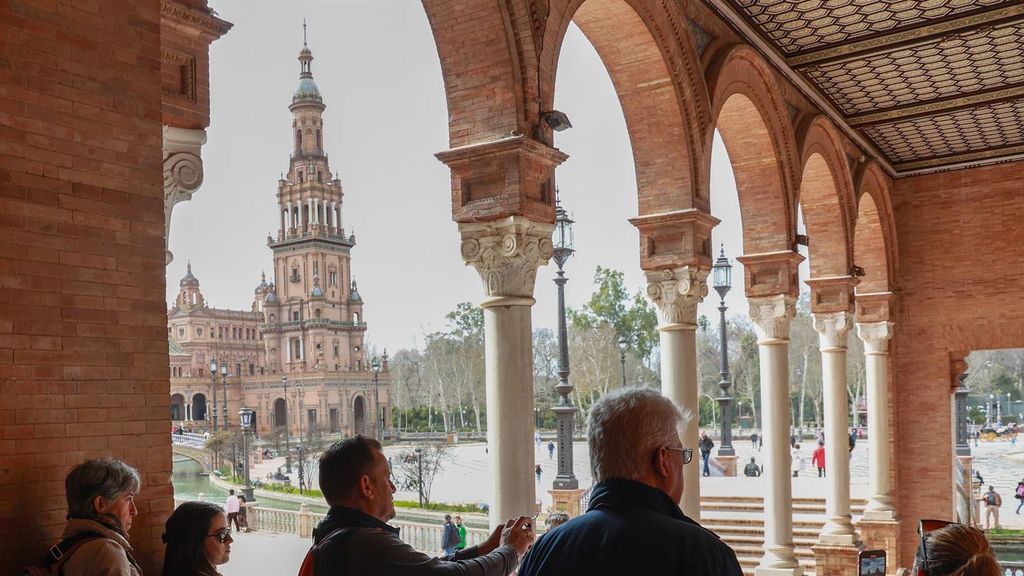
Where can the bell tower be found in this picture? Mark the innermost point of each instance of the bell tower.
(313, 323)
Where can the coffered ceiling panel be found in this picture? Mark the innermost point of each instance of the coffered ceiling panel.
(929, 84)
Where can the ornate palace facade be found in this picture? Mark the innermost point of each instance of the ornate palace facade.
(296, 356)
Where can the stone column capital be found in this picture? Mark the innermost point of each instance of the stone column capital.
(506, 253)
(183, 171)
(772, 315)
(676, 292)
(876, 336)
(832, 329)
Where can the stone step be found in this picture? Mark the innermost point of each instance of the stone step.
(798, 508)
(755, 551)
(758, 539)
(749, 563)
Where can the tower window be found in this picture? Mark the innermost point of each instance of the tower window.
(298, 140)
(332, 277)
(319, 175)
(301, 177)
(319, 141)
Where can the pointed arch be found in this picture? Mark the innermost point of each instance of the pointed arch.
(827, 198)
(749, 112)
(874, 235)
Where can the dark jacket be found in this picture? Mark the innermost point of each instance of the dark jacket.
(449, 536)
(373, 548)
(630, 528)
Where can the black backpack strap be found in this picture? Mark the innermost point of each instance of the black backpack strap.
(334, 539)
(59, 552)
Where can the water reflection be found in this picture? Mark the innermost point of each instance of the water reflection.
(189, 482)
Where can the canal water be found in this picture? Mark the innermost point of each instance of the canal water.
(189, 482)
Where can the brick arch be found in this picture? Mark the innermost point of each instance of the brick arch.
(750, 114)
(483, 81)
(874, 234)
(657, 78)
(826, 198)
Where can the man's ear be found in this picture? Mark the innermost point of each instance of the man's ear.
(366, 487)
(661, 462)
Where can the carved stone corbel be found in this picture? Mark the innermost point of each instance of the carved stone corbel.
(183, 171)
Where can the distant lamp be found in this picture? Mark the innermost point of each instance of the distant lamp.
(563, 235)
(224, 370)
(245, 415)
(722, 274)
(375, 364)
(213, 366)
(556, 120)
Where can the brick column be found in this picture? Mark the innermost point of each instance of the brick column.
(676, 259)
(503, 201)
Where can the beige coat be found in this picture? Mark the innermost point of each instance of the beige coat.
(107, 556)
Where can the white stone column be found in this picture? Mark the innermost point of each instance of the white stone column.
(832, 329)
(183, 172)
(772, 316)
(676, 292)
(506, 253)
(875, 336)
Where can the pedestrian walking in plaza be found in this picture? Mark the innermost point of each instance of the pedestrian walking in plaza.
(853, 438)
(633, 524)
(1019, 494)
(231, 505)
(354, 537)
(449, 536)
(992, 501)
(752, 470)
(753, 440)
(243, 514)
(705, 445)
(551, 449)
(796, 460)
(462, 533)
(537, 471)
(198, 539)
(818, 459)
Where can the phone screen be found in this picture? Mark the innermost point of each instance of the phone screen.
(872, 563)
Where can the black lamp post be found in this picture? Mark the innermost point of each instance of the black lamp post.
(213, 389)
(623, 343)
(419, 477)
(287, 431)
(963, 445)
(722, 280)
(245, 417)
(302, 471)
(224, 383)
(564, 410)
(375, 366)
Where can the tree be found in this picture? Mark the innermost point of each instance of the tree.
(433, 457)
(631, 317)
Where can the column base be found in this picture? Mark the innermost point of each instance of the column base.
(882, 535)
(835, 560)
(728, 464)
(838, 539)
(794, 571)
(879, 515)
(567, 501)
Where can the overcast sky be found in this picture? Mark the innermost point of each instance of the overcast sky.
(378, 71)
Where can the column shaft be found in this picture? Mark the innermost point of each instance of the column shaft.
(772, 316)
(875, 336)
(833, 329)
(679, 384)
(509, 372)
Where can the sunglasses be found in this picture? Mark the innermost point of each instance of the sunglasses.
(686, 452)
(924, 528)
(223, 535)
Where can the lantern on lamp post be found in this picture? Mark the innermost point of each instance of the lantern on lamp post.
(564, 410)
(213, 390)
(246, 417)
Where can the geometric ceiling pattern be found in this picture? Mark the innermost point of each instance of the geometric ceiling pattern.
(929, 84)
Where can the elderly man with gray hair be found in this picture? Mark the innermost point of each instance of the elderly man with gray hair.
(634, 524)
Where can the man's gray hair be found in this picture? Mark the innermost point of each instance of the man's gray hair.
(626, 426)
(107, 478)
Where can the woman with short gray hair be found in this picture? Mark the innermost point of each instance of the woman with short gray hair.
(101, 504)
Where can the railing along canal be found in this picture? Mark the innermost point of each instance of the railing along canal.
(424, 537)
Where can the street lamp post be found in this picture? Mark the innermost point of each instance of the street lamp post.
(991, 409)
(722, 279)
(564, 410)
(245, 417)
(224, 383)
(213, 390)
(287, 431)
(623, 343)
(302, 471)
(375, 366)
(419, 477)
(963, 446)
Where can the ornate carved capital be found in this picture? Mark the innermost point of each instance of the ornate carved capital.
(506, 253)
(832, 329)
(772, 315)
(875, 336)
(183, 171)
(676, 292)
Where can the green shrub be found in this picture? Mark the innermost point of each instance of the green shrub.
(271, 487)
(439, 506)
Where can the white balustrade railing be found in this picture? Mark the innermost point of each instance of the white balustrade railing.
(423, 537)
(190, 440)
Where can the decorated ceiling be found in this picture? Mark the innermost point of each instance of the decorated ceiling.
(930, 85)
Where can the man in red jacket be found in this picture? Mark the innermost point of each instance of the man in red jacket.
(818, 458)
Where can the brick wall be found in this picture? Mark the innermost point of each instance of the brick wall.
(83, 350)
(961, 262)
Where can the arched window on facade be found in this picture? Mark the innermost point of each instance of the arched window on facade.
(319, 140)
(302, 177)
(355, 317)
(316, 313)
(298, 140)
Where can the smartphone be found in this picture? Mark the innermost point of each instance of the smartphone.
(871, 563)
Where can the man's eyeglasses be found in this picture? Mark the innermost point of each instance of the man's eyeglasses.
(924, 528)
(686, 452)
(223, 535)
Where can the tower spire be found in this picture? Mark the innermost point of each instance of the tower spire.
(304, 45)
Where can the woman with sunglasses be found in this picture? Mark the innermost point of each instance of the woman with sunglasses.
(949, 549)
(198, 540)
